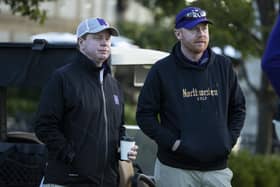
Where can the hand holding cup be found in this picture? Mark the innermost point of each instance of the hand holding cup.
(128, 148)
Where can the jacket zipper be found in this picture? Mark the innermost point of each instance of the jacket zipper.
(106, 123)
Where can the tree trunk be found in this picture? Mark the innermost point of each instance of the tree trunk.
(121, 8)
(266, 106)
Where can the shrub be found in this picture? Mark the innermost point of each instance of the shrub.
(255, 170)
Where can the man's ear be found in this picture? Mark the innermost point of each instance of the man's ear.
(80, 40)
(80, 43)
(177, 34)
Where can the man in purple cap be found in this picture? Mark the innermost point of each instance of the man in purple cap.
(192, 106)
(80, 115)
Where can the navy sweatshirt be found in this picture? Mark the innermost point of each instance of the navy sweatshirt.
(271, 57)
(202, 105)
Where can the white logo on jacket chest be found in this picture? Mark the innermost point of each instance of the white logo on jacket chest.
(116, 99)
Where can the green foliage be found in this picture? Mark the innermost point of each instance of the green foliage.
(149, 36)
(22, 100)
(28, 8)
(163, 9)
(130, 111)
(16, 105)
(255, 170)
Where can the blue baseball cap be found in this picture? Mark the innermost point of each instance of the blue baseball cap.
(190, 17)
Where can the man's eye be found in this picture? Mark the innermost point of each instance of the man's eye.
(97, 37)
(101, 38)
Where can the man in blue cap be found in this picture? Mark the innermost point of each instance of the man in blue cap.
(192, 106)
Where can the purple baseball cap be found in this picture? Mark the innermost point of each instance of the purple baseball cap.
(190, 17)
(95, 25)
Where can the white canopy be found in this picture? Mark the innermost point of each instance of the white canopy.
(135, 56)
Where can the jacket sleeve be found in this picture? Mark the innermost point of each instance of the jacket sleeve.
(271, 57)
(237, 108)
(148, 109)
(48, 120)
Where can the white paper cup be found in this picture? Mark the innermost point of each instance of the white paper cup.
(126, 144)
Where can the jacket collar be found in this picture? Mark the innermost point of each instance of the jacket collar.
(90, 65)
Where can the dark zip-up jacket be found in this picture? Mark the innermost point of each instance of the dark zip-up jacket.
(80, 119)
(202, 105)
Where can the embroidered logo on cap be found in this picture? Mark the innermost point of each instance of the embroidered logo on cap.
(102, 21)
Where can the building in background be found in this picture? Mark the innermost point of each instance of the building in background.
(64, 16)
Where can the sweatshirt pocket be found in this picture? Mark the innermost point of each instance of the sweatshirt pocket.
(185, 152)
(208, 148)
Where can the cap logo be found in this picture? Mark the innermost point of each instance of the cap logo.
(195, 14)
(102, 22)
